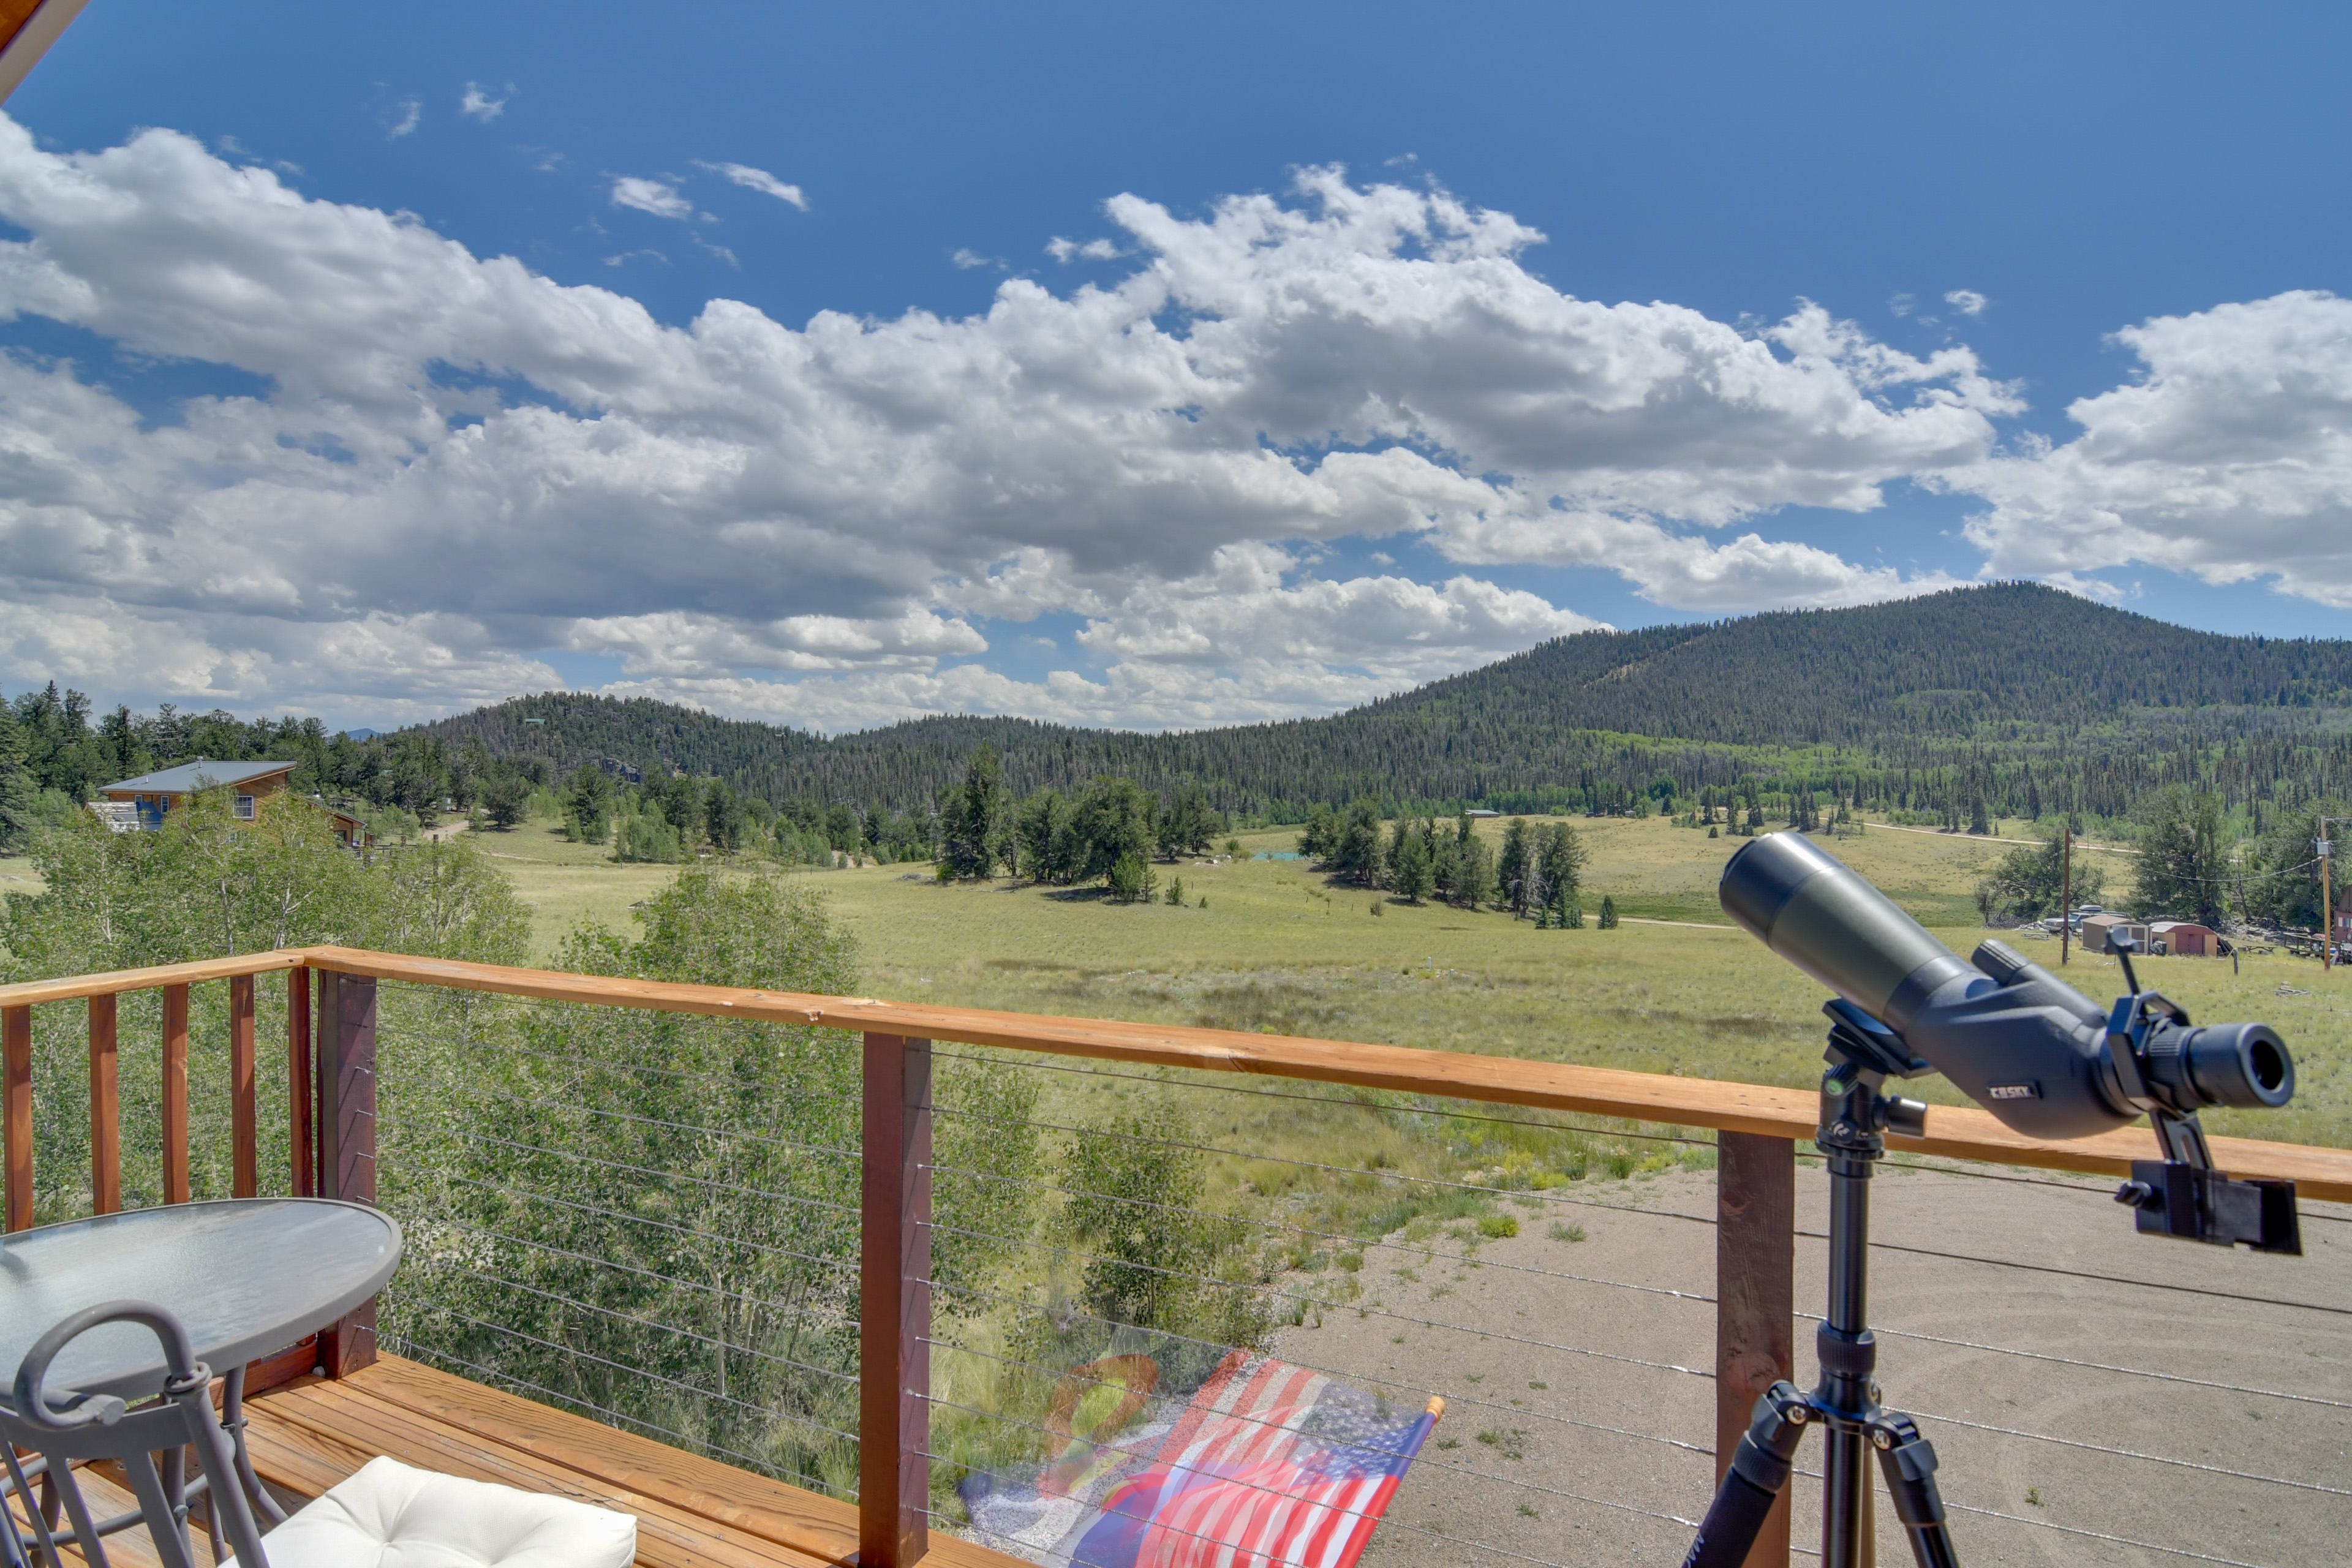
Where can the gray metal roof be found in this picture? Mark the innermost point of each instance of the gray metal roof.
(188, 776)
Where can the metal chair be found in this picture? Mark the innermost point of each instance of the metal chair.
(63, 1426)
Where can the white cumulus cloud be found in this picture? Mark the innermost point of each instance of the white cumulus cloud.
(655, 196)
(758, 180)
(2230, 458)
(477, 104)
(1966, 301)
(829, 524)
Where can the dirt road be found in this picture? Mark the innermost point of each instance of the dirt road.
(1591, 1394)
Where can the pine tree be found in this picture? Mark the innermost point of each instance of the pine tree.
(2184, 856)
(1411, 873)
(17, 791)
(1607, 912)
(971, 829)
(1511, 870)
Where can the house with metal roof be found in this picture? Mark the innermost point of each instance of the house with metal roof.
(140, 804)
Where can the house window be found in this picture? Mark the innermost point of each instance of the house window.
(245, 808)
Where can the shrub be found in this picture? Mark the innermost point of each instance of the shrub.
(647, 839)
(1125, 881)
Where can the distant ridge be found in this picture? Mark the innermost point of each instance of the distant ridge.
(1984, 677)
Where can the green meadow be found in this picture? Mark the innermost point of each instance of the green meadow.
(1281, 948)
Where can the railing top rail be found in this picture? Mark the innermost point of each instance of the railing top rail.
(1958, 1132)
(75, 987)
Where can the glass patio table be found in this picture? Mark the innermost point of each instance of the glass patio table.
(246, 1277)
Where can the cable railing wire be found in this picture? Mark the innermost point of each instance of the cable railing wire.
(699, 1126)
(1173, 1529)
(2099, 1535)
(1427, 1253)
(1340, 1100)
(600, 1064)
(1541, 1195)
(760, 1410)
(769, 1247)
(980, 1293)
(2132, 1454)
(2101, 1366)
(478, 1137)
(1357, 1307)
(1423, 1459)
(720, 1345)
(416, 1351)
(622, 1268)
(2098, 1278)
(1451, 1399)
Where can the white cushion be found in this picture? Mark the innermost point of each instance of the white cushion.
(389, 1515)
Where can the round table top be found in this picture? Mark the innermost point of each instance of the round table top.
(247, 1276)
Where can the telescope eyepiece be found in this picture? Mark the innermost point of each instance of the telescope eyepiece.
(2239, 1064)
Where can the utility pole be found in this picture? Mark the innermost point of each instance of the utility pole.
(2326, 899)
(2065, 892)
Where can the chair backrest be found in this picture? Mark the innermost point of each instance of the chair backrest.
(62, 1426)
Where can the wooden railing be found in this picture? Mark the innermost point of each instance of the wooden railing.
(331, 1131)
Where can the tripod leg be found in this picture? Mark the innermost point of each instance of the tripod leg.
(1759, 1468)
(1908, 1462)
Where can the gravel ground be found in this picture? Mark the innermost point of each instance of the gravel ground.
(1553, 1451)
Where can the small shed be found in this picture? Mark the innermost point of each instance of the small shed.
(2184, 939)
(2098, 930)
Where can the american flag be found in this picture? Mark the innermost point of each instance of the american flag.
(1267, 1465)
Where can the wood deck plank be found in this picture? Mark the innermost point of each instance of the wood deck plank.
(328, 1424)
(776, 1510)
(691, 1510)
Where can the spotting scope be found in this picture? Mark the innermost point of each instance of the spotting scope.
(2041, 1056)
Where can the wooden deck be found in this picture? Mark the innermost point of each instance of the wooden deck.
(690, 1511)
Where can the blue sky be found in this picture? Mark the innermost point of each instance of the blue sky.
(1316, 455)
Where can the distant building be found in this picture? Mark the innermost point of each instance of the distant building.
(1477, 813)
(2344, 918)
(140, 804)
(2098, 932)
(2184, 939)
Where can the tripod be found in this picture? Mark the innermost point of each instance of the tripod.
(1855, 1117)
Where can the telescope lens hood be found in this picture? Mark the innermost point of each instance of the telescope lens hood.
(2239, 1064)
(1807, 906)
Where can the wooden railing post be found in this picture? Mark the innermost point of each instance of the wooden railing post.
(16, 1111)
(1755, 1299)
(176, 1187)
(245, 1174)
(347, 1137)
(105, 1110)
(302, 1138)
(894, 1418)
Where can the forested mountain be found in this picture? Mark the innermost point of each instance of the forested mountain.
(2012, 697)
(2017, 693)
